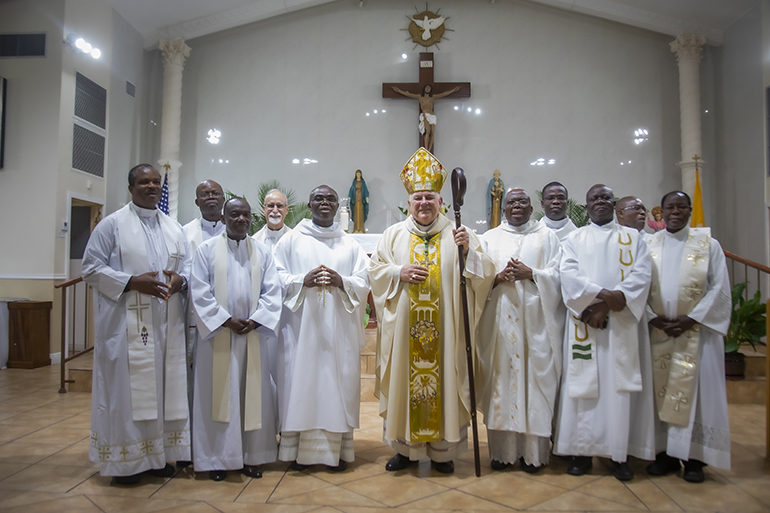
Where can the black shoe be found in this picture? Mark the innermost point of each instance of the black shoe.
(217, 475)
(183, 463)
(693, 471)
(622, 471)
(253, 471)
(343, 466)
(445, 467)
(499, 465)
(398, 462)
(526, 467)
(663, 465)
(299, 467)
(579, 465)
(167, 471)
(127, 480)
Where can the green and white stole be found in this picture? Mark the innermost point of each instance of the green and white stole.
(675, 360)
(139, 323)
(583, 371)
(221, 360)
(425, 341)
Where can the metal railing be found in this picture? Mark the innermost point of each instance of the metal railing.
(70, 290)
(761, 284)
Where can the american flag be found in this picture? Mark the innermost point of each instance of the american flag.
(163, 205)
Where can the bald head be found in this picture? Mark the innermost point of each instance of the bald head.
(209, 197)
(600, 204)
(276, 207)
(631, 212)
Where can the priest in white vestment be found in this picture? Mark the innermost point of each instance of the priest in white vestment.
(690, 306)
(209, 198)
(276, 207)
(555, 200)
(323, 273)
(421, 372)
(630, 211)
(520, 338)
(606, 406)
(137, 262)
(237, 299)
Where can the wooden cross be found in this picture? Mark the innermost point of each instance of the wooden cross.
(426, 77)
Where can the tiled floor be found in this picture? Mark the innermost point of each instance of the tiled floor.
(44, 467)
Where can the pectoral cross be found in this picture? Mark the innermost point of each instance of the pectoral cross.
(138, 307)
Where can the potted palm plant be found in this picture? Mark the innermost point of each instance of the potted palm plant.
(747, 326)
(297, 210)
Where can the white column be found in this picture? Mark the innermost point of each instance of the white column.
(688, 49)
(174, 54)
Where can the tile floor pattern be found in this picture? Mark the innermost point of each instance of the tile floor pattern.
(44, 467)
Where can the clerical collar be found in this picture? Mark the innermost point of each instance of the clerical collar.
(681, 234)
(555, 225)
(233, 242)
(144, 212)
(213, 224)
(279, 230)
(426, 228)
(327, 229)
(521, 228)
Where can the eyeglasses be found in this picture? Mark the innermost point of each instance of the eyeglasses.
(271, 206)
(637, 208)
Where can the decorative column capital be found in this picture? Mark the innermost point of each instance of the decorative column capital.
(174, 51)
(688, 47)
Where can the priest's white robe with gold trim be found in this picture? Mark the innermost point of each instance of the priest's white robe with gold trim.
(225, 445)
(707, 436)
(520, 345)
(391, 298)
(120, 445)
(319, 369)
(616, 422)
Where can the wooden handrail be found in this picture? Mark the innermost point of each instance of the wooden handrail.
(73, 281)
(747, 262)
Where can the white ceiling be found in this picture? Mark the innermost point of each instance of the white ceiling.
(156, 19)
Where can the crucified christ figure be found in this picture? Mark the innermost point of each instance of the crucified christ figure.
(427, 117)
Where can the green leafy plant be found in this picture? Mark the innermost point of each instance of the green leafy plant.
(747, 322)
(297, 211)
(575, 211)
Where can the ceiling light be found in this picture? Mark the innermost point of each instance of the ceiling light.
(96, 53)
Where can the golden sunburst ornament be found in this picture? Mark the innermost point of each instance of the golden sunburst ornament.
(427, 28)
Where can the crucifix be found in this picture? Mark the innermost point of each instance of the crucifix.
(426, 91)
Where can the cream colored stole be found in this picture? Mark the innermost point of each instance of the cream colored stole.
(195, 235)
(583, 370)
(139, 325)
(221, 361)
(675, 360)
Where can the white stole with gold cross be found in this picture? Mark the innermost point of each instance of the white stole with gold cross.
(583, 370)
(139, 323)
(221, 360)
(675, 360)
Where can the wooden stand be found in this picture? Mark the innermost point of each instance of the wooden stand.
(29, 334)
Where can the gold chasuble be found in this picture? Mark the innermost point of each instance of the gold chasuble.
(421, 374)
(675, 360)
(425, 342)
